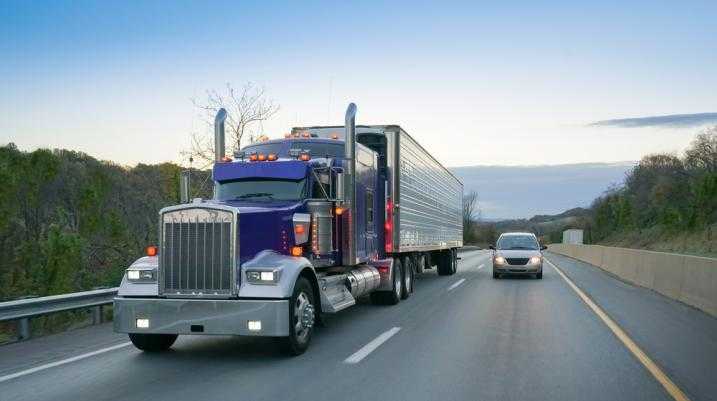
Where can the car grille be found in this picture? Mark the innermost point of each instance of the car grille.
(517, 261)
(196, 254)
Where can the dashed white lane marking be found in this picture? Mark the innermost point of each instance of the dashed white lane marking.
(370, 347)
(641, 356)
(456, 284)
(62, 362)
(481, 266)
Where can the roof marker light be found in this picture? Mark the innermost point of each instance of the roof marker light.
(226, 159)
(253, 157)
(271, 157)
(262, 157)
(304, 157)
(334, 136)
(306, 134)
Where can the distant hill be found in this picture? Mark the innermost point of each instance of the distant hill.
(521, 192)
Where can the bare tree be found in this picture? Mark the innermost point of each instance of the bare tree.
(246, 109)
(702, 154)
(470, 210)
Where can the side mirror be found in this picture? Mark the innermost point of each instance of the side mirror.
(340, 186)
(491, 247)
(543, 247)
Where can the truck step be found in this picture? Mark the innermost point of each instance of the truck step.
(334, 294)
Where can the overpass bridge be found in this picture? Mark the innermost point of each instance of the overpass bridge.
(578, 334)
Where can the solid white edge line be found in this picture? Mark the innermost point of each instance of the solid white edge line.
(481, 266)
(62, 362)
(362, 353)
(641, 356)
(456, 284)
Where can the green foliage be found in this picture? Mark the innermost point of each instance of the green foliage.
(664, 192)
(69, 222)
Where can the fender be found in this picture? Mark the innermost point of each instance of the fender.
(127, 288)
(289, 268)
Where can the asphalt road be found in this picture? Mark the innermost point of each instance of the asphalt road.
(462, 337)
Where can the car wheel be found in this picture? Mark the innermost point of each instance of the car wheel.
(301, 318)
(496, 275)
(539, 275)
(153, 342)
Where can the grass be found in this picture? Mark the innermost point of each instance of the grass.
(697, 243)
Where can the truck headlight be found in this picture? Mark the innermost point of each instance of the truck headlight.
(499, 260)
(536, 260)
(142, 275)
(262, 276)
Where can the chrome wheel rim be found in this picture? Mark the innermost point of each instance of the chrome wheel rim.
(303, 317)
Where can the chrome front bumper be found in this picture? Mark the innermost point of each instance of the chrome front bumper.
(202, 316)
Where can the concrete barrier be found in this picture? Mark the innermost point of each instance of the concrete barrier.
(688, 279)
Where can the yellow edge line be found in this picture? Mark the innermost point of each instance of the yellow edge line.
(641, 356)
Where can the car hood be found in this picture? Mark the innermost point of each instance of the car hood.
(517, 253)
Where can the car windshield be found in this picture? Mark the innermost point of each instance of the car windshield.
(262, 189)
(527, 242)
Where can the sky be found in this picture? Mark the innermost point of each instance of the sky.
(476, 83)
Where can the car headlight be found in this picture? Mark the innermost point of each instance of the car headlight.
(499, 260)
(262, 276)
(142, 275)
(536, 260)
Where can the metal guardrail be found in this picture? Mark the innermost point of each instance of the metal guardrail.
(24, 309)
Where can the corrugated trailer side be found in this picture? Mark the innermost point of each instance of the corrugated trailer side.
(429, 215)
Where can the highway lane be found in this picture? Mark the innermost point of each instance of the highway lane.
(462, 337)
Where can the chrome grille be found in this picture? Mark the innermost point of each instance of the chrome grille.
(197, 254)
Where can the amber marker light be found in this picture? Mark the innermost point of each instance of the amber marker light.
(296, 251)
(151, 251)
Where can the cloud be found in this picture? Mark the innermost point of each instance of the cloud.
(672, 120)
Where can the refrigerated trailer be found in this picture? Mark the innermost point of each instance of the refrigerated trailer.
(297, 228)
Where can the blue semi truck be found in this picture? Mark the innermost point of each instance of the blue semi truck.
(298, 228)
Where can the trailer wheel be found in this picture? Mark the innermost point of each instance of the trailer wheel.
(152, 342)
(301, 318)
(444, 263)
(394, 296)
(407, 282)
(454, 261)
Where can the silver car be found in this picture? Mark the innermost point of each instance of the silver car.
(518, 253)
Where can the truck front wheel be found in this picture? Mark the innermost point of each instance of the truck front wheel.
(301, 318)
(152, 342)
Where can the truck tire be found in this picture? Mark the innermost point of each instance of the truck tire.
(152, 342)
(301, 318)
(407, 282)
(454, 261)
(394, 296)
(444, 263)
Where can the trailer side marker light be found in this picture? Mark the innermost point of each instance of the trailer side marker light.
(334, 136)
(151, 250)
(296, 251)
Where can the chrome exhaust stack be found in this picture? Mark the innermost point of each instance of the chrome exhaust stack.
(219, 141)
(349, 188)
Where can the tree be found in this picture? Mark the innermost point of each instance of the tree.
(470, 210)
(246, 108)
(702, 154)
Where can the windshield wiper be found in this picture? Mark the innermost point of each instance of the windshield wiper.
(256, 195)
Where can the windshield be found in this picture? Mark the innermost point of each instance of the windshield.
(262, 189)
(527, 242)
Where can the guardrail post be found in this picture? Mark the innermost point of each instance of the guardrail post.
(97, 314)
(23, 329)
